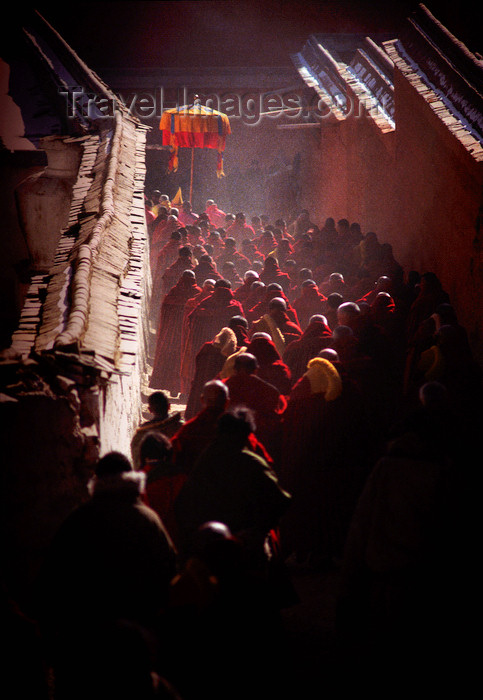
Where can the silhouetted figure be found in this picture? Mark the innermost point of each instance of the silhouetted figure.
(403, 578)
(208, 364)
(162, 421)
(233, 485)
(110, 560)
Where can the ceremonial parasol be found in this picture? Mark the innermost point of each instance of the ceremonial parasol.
(194, 126)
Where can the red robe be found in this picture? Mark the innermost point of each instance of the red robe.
(240, 231)
(197, 433)
(167, 360)
(325, 461)
(265, 401)
(271, 368)
(286, 333)
(188, 308)
(208, 364)
(166, 257)
(261, 307)
(162, 232)
(206, 270)
(274, 274)
(309, 303)
(171, 275)
(187, 218)
(205, 321)
(241, 262)
(160, 495)
(215, 215)
(265, 243)
(315, 338)
(242, 293)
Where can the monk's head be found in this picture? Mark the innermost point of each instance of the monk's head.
(277, 308)
(246, 363)
(215, 395)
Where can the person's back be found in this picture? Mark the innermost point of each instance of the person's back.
(192, 438)
(246, 388)
(162, 421)
(112, 557)
(110, 560)
(232, 485)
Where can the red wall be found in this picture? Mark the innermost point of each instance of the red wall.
(439, 188)
(355, 174)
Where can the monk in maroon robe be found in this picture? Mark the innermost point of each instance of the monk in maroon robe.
(200, 430)
(309, 303)
(206, 289)
(167, 360)
(265, 400)
(208, 365)
(272, 291)
(215, 215)
(272, 273)
(271, 367)
(162, 232)
(242, 292)
(297, 354)
(383, 284)
(265, 242)
(171, 275)
(276, 322)
(325, 461)
(206, 269)
(231, 254)
(255, 295)
(206, 320)
(239, 229)
(167, 254)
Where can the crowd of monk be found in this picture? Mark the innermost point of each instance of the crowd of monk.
(333, 404)
(345, 361)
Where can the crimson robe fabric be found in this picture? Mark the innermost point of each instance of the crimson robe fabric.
(187, 218)
(198, 432)
(325, 461)
(271, 368)
(171, 275)
(215, 215)
(239, 231)
(271, 274)
(309, 303)
(191, 304)
(162, 489)
(241, 262)
(167, 360)
(315, 338)
(206, 270)
(162, 232)
(193, 437)
(208, 364)
(166, 257)
(265, 243)
(205, 321)
(289, 330)
(265, 401)
(261, 307)
(242, 293)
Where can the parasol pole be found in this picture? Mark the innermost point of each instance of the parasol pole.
(191, 178)
(196, 102)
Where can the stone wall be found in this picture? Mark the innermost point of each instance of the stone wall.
(44, 472)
